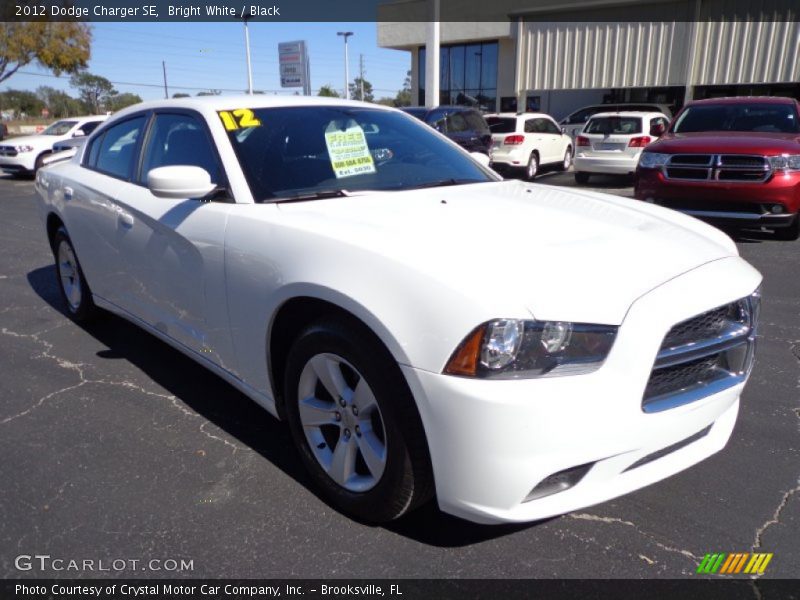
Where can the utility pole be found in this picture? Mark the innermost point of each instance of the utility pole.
(346, 34)
(361, 74)
(164, 68)
(432, 57)
(245, 18)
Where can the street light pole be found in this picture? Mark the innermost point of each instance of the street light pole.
(245, 18)
(346, 34)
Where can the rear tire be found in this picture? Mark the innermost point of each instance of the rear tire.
(790, 233)
(567, 162)
(532, 168)
(354, 422)
(581, 177)
(72, 286)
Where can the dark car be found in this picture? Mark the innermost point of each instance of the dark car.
(729, 160)
(464, 125)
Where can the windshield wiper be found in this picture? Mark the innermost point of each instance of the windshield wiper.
(320, 195)
(443, 183)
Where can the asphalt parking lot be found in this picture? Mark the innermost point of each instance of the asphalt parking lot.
(115, 446)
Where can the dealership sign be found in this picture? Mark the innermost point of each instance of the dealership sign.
(293, 60)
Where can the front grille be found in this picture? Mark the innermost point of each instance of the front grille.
(703, 355)
(8, 151)
(718, 167)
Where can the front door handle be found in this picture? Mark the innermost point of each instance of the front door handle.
(126, 219)
(68, 193)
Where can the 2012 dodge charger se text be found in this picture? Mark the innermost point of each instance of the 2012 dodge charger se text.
(426, 328)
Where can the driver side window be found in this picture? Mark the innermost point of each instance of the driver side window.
(178, 139)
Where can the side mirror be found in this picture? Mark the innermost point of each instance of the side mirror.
(179, 181)
(480, 157)
(563, 130)
(78, 133)
(657, 130)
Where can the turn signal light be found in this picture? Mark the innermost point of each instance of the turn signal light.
(640, 141)
(582, 141)
(514, 140)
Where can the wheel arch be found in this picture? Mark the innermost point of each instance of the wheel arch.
(297, 311)
(53, 223)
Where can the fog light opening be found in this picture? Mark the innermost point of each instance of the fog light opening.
(558, 482)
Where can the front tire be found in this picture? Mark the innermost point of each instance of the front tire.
(74, 290)
(355, 423)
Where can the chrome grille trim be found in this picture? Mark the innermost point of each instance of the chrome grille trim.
(703, 355)
(743, 168)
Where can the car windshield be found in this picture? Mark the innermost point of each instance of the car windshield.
(757, 117)
(59, 128)
(614, 125)
(502, 124)
(303, 152)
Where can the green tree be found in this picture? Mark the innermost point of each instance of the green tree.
(327, 91)
(21, 102)
(355, 90)
(385, 101)
(95, 91)
(181, 95)
(209, 93)
(120, 101)
(403, 97)
(58, 47)
(59, 103)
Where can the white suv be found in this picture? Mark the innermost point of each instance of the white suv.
(610, 143)
(527, 141)
(26, 154)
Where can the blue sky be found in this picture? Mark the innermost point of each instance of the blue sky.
(203, 56)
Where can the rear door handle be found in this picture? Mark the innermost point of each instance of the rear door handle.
(68, 193)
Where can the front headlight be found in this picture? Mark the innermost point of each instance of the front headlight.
(652, 160)
(22, 149)
(786, 162)
(517, 349)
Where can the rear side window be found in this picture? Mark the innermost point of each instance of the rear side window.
(550, 127)
(614, 125)
(114, 153)
(456, 123)
(475, 121)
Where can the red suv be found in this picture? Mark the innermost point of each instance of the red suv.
(729, 160)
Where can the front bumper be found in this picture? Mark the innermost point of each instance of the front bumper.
(613, 165)
(744, 204)
(493, 442)
(18, 164)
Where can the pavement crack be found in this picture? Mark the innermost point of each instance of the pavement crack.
(649, 536)
(41, 401)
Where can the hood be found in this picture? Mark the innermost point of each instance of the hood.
(33, 140)
(735, 142)
(562, 255)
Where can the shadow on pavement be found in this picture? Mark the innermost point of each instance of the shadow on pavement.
(243, 419)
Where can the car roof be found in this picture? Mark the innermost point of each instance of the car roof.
(629, 113)
(526, 115)
(254, 101)
(744, 100)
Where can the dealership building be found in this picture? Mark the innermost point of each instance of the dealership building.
(556, 56)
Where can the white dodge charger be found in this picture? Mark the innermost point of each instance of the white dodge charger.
(426, 328)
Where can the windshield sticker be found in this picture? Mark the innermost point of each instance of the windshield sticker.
(348, 150)
(236, 119)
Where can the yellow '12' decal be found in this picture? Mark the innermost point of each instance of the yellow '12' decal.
(241, 117)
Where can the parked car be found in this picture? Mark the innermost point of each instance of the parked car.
(611, 142)
(526, 141)
(26, 153)
(465, 126)
(423, 326)
(729, 160)
(574, 123)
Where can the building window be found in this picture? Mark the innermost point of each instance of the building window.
(467, 75)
